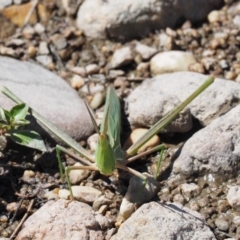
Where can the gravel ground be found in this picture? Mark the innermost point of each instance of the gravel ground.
(215, 44)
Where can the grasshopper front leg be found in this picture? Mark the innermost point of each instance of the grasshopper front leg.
(68, 169)
(89, 166)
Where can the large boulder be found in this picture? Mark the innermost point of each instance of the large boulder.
(46, 93)
(124, 19)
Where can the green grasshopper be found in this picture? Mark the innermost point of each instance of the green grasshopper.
(109, 154)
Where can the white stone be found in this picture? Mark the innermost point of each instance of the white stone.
(43, 48)
(171, 61)
(121, 57)
(77, 81)
(214, 16)
(85, 193)
(79, 70)
(76, 176)
(39, 28)
(51, 195)
(64, 194)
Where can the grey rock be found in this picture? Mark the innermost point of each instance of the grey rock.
(124, 19)
(222, 224)
(65, 220)
(233, 197)
(145, 51)
(148, 106)
(164, 221)
(46, 93)
(214, 149)
(216, 100)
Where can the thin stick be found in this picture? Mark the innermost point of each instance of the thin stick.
(16, 211)
(23, 220)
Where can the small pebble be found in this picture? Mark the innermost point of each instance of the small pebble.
(31, 50)
(77, 175)
(92, 69)
(79, 70)
(86, 193)
(28, 174)
(64, 194)
(197, 67)
(136, 134)
(43, 48)
(97, 100)
(222, 224)
(120, 82)
(12, 207)
(214, 16)
(203, 202)
(28, 32)
(230, 75)
(93, 142)
(59, 41)
(39, 28)
(179, 199)
(77, 81)
(103, 209)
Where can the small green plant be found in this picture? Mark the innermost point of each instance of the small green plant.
(12, 125)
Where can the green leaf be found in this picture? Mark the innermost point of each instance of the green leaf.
(19, 112)
(21, 122)
(4, 116)
(28, 138)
